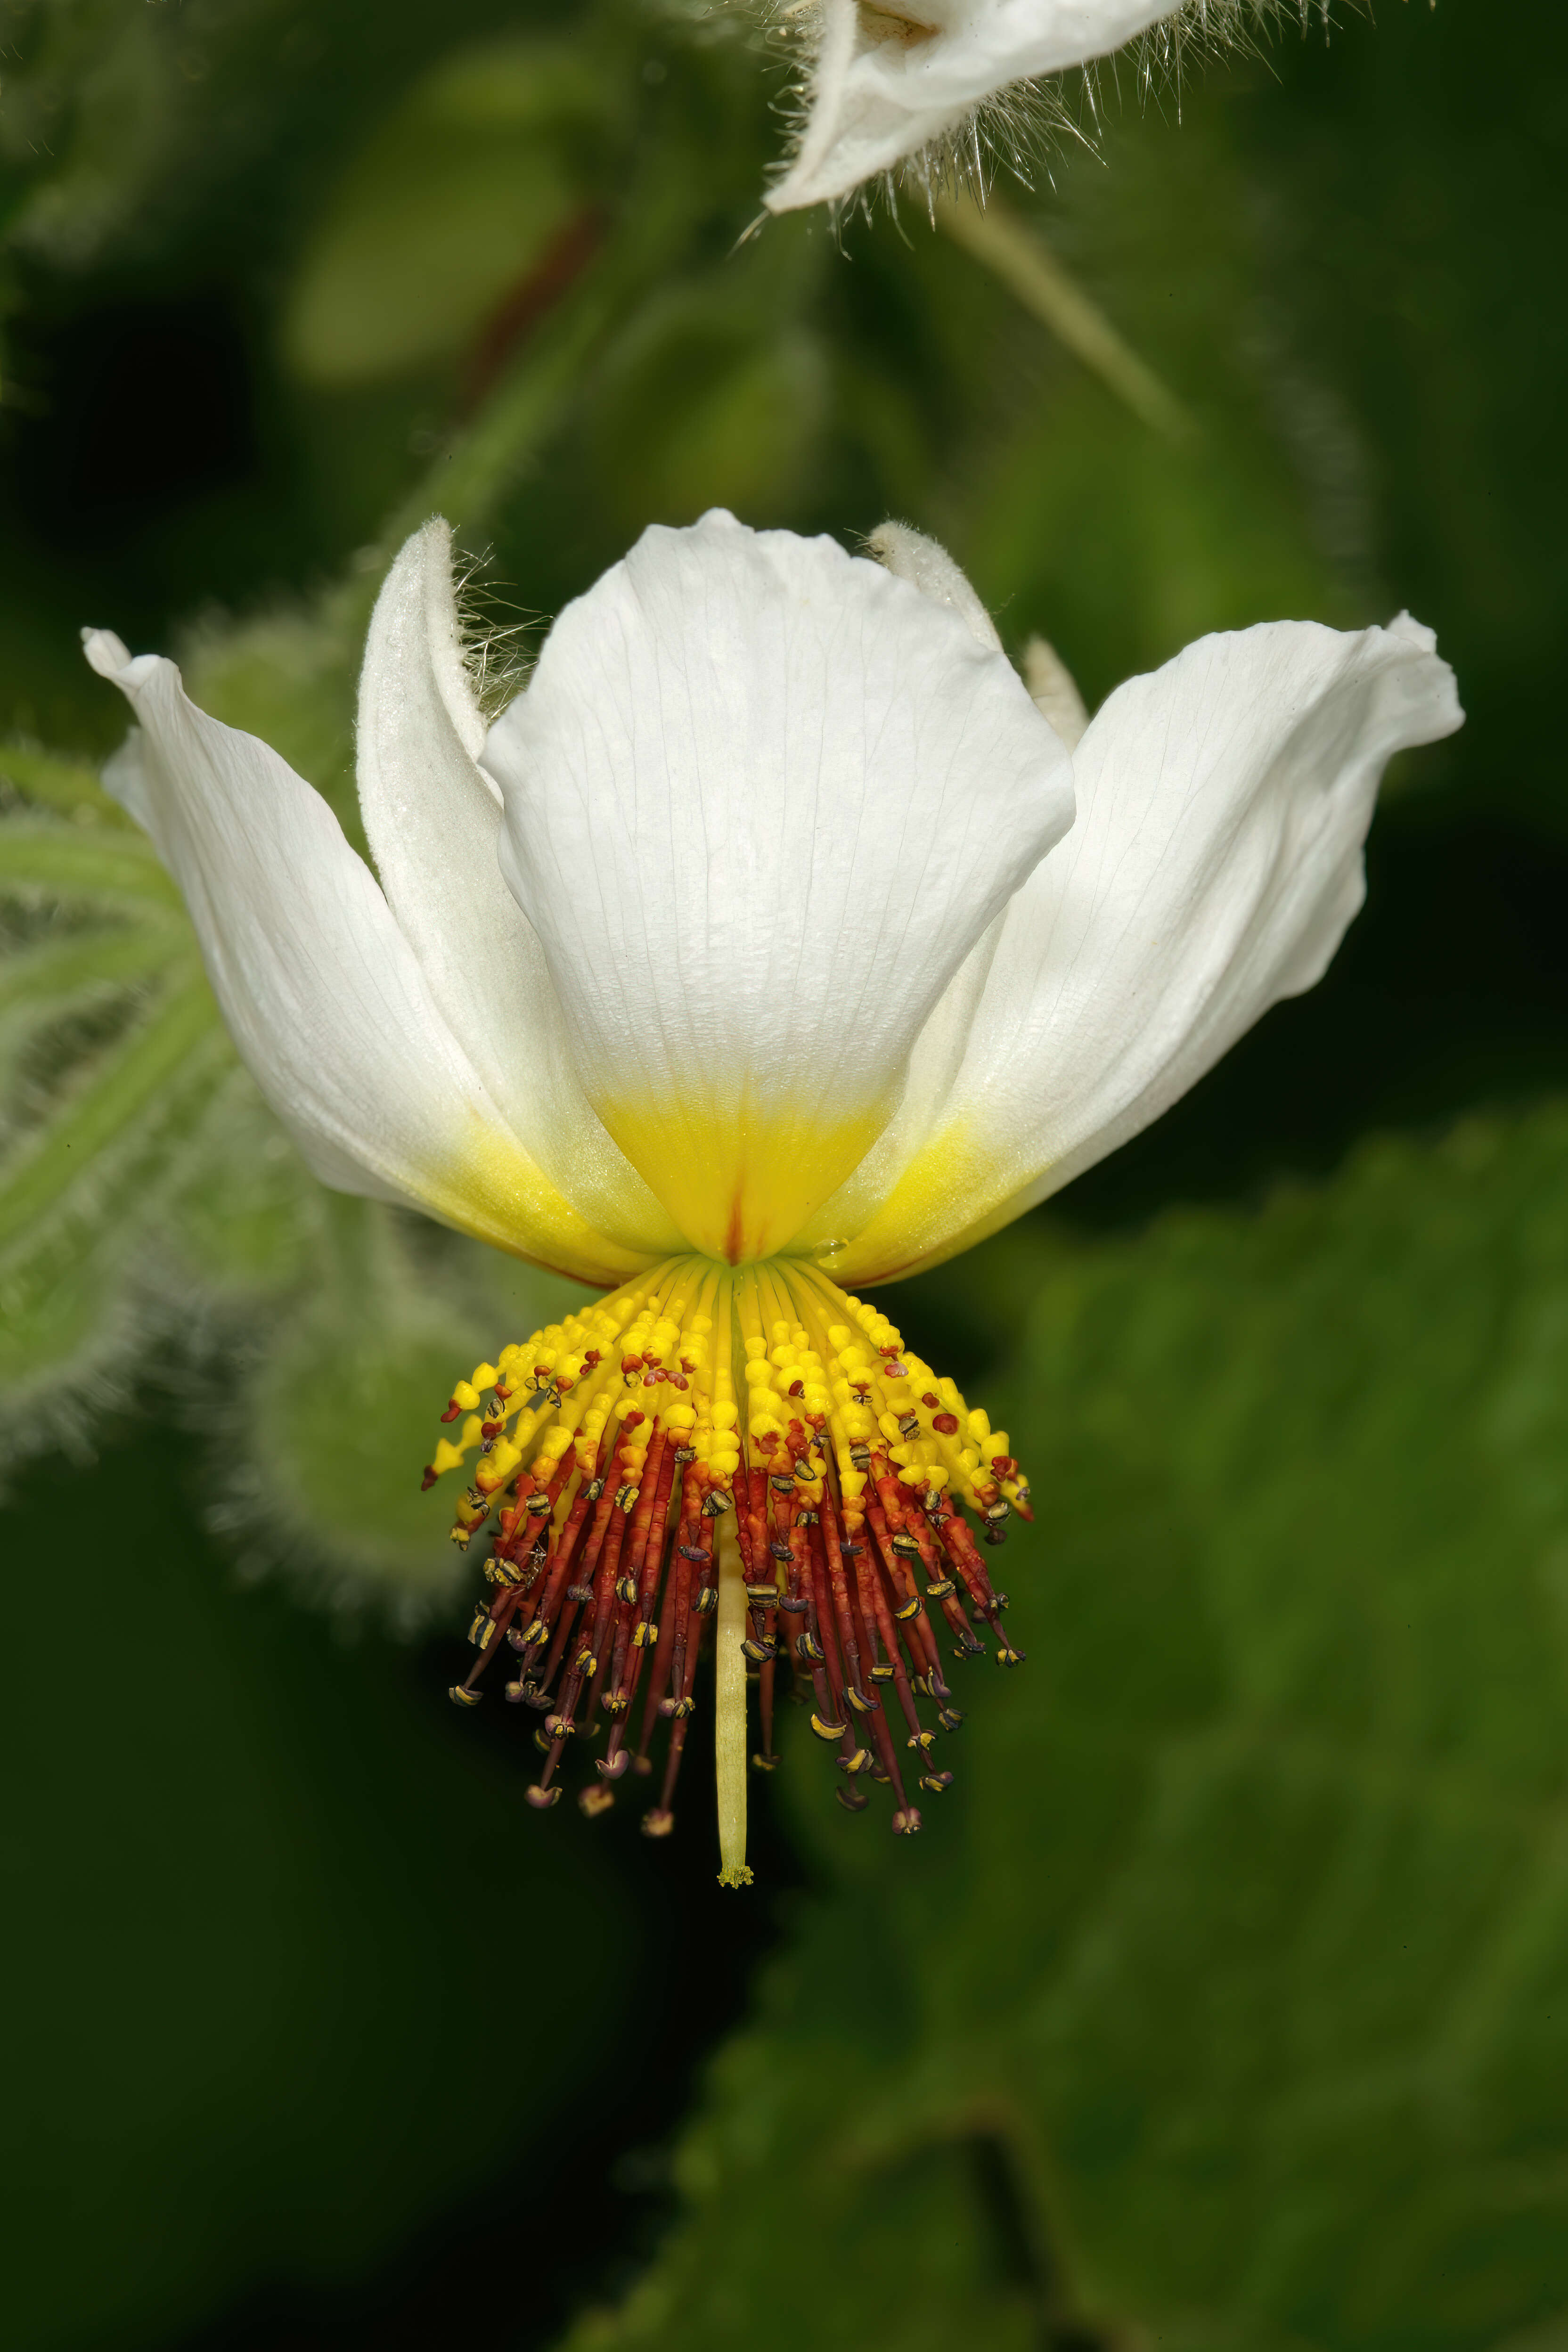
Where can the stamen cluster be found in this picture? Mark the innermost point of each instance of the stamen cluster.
(631, 1513)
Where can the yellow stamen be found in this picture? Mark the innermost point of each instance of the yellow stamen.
(748, 1444)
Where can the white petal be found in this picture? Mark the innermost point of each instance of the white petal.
(432, 821)
(944, 1041)
(939, 1054)
(1214, 866)
(762, 799)
(322, 994)
(888, 78)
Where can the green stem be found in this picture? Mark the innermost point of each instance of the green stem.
(995, 237)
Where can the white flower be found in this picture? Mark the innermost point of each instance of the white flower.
(890, 77)
(743, 958)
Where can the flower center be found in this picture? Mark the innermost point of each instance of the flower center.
(745, 1447)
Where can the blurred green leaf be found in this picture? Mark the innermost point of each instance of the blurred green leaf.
(89, 91)
(52, 782)
(1121, 543)
(341, 1408)
(81, 1149)
(111, 1056)
(457, 197)
(259, 1894)
(718, 393)
(83, 867)
(701, 412)
(1221, 2003)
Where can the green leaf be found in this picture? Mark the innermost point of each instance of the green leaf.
(1121, 539)
(62, 784)
(79, 1191)
(59, 977)
(90, 109)
(262, 1899)
(151, 1074)
(1221, 2002)
(343, 1408)
(463, 189)
(245, 1215)
(82, 866)
(718, 392)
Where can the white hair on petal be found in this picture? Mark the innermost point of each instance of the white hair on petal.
(1027, 121)
(494, 635)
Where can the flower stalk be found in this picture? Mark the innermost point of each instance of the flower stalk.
(730, 1709)
(992, 234)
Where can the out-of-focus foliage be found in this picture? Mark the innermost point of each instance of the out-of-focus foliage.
(457, 198)
(260, 1902)
(1221, 2005)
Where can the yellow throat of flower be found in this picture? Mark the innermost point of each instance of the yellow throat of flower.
(747, 1448)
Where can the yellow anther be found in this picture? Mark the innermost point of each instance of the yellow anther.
(467, 1395)
(445, 1457)
(473, 1430)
